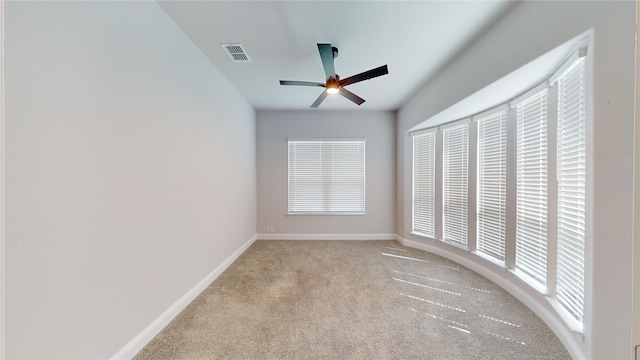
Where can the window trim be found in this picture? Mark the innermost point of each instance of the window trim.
(463, 241)
(543, 268)
(432, 132)
(327, 213)
(576, 206)
(497, 114)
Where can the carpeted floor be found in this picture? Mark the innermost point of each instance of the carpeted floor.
(352, 300)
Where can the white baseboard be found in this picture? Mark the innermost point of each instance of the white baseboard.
(504, 279)
(144, 337)
(270, 236)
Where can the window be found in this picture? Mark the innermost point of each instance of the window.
(424, 185)
(531, 208)
(455, 166)
(326, 176)
(571, 190)
(492, 184)
(524, 221)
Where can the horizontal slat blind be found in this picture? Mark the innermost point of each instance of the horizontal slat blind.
(327, 176)
(492, 184)
(424, 184)
(571, 190)
(455, 168)
(531, 193)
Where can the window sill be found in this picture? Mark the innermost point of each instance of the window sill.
(491, 259)
(574, 325)
(529, 280)
(423, 235)
(325, 214)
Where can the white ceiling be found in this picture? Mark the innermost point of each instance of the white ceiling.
(414, 38)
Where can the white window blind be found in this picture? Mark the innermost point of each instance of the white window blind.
(424, 184)
(571, 190)
(492, 184)
(455, 168)
(326, 176)
(531, 192)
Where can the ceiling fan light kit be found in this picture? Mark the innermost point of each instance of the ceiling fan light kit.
(332, 90)
(333, 84)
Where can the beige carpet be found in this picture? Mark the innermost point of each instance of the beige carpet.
(352, 300)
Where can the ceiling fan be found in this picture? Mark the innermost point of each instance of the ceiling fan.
(335, 85)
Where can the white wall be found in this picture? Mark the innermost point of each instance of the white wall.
(636, 207)
(530, 30)
(2, 172)
(274, 127)
(130, 173)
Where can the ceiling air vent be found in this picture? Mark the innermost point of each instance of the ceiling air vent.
(236, 52)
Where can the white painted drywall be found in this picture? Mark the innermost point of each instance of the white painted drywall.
(130, 173)
(636, 209)
(528, 31)
(273, 129)
(2, 173)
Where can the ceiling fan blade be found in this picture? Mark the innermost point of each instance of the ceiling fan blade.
(300, 83)
(326, 55)
(319, 100)
(379, 71)
(351, 96)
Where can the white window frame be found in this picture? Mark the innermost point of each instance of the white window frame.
(492, 183)
(455, 176)
(424, 183)
(572, 178)
(532, 187)
(326, 176)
